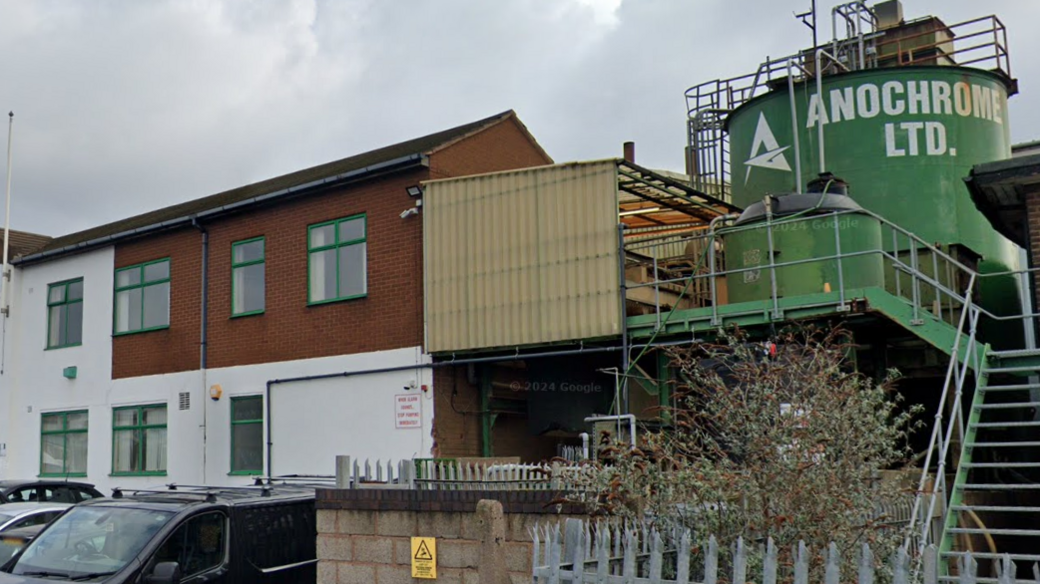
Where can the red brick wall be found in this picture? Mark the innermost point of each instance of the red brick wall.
(389, 317)
(456, 429)
(175, 348)
(456, 425)
(502, 147)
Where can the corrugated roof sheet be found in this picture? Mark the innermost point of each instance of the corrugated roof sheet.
(417, 146)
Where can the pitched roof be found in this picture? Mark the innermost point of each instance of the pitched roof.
(404, 153)
(1000, 189)
(23, 242)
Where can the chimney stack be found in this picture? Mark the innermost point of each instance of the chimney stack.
(630, 152)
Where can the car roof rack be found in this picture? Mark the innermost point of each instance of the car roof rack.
(208, 493)
(302, 480)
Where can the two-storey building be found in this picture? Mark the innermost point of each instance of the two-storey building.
(223, 336)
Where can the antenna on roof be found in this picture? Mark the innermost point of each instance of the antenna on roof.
(809, 19)
(6, 270)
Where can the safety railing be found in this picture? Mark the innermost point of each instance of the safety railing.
(931, 280)
(935, 284)
(980, 43)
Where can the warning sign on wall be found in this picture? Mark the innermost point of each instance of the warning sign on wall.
(424, 557)
(408, 410)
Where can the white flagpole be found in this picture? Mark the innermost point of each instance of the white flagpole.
(6, 283)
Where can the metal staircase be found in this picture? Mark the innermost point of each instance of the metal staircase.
(998, 474)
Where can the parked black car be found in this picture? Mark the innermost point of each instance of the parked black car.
(46, 491)
(226, 535)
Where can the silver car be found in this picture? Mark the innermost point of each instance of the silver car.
(16, 515)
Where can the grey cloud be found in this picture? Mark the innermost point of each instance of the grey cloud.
(125, 106)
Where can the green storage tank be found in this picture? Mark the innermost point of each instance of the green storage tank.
(805, 228)
(905, 138)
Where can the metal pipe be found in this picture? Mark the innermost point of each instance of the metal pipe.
(935, 274)
(711, 264)
(6, 269)
(915, 283)
(837, 252)
(895, 272)
(772, 262)
(202, 336)
(794, 123)
(624, 315)
(618, 418)
(819, 104)
(657, 296)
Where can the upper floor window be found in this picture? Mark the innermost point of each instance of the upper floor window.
(143, 297)
(247, 277)
(65, 314)
(337, 263)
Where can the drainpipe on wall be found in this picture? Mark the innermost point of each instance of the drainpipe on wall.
(202, 334)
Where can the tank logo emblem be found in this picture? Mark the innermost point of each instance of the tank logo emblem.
(773, 157)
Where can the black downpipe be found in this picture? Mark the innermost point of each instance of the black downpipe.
(205, 290)
(204, 310)
(473, 360)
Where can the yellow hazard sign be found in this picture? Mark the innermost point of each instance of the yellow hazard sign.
(424, 557)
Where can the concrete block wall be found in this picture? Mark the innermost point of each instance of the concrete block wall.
(364, 535)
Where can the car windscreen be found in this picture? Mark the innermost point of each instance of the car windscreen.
(4, 518)
(90, 540)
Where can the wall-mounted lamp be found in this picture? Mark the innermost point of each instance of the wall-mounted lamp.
(414, 191)
(639, 211)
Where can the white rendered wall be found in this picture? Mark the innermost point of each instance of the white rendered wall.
(312, 421)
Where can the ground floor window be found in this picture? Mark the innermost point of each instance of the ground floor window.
(63, 444)
(139, 440)
(247, 435)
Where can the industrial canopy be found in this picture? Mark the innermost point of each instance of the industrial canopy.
(648, 198)
(999, 190)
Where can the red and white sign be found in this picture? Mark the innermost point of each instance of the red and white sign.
(408, 411)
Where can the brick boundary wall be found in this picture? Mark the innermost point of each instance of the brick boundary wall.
(483, 537)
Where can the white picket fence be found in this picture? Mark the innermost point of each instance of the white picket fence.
(445, 475)
(610, 554)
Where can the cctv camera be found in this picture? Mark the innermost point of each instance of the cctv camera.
(407, 212)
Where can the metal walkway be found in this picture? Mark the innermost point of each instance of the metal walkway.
(990, 451)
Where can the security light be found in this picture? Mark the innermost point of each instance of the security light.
(414, 191)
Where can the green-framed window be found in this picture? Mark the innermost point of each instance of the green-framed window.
(247, 277)
(247, 435)
(142, 299)
(65, 314)
(337, 262)
(63, 444)
(139, 440)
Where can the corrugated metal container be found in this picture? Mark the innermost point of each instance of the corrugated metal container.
(521, 257)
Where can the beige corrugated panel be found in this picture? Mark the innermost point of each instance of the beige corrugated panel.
(521, 257)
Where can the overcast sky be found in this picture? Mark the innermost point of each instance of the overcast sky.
(126, 106)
